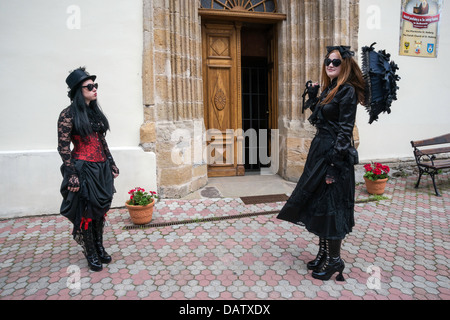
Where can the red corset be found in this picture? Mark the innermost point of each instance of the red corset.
(88, 149)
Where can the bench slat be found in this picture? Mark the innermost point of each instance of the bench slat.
(432, 141)
(433, 151)
(438, 164)
(431, 167)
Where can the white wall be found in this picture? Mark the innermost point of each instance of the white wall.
(422, 109)
(31, 180)
(40, 42)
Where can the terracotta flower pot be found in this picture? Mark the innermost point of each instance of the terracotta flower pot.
(140, 214)
(376, 187)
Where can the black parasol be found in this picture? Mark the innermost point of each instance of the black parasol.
(381, 81)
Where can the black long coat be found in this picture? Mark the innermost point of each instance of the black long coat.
(327, 210)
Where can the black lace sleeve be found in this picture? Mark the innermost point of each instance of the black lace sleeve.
(312, 103)
(65, 126)
(108, 154)
(348, 102)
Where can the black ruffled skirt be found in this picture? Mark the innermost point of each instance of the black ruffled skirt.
(94, 198)
(327, 210)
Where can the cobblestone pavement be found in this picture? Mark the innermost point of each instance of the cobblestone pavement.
(399, 249)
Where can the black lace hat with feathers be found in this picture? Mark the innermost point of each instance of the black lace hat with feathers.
(381, 81)
(344, 51)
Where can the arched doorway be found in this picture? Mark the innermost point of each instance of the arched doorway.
(239, 82)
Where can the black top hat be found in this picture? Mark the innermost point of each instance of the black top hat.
(75, 78)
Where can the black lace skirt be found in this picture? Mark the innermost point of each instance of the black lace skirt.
(327, 210)
(94, 198)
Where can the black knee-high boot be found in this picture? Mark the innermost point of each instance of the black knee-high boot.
(321, 256)
(333, 262)
(87, 243)
(98, 241)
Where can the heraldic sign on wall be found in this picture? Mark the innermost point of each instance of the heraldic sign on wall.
(420, 22)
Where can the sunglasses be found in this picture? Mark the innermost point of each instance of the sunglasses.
(335, 62)
(91, 86)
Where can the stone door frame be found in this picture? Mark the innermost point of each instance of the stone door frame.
(173, 85)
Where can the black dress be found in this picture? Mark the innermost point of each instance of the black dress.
(327, 210)
(90, 166)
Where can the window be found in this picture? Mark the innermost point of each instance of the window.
(240, 5)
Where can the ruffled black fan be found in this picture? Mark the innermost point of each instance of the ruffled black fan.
(381, 81)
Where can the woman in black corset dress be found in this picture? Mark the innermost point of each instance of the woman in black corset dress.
(88, 170)
(323, 200)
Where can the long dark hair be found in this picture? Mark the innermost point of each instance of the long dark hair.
(350, 73)
(87, 119)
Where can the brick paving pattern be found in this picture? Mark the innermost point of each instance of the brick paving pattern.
(399, 250)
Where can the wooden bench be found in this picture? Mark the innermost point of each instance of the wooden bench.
(426, 152)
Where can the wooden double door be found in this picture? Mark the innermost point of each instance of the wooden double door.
(234, 108)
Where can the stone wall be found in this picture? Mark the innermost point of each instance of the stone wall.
(310, 27)
(173, 99)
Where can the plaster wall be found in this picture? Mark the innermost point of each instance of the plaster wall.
(40, 42)
(421, 110)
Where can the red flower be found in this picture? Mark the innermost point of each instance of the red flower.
(377, 171)
(138, 196)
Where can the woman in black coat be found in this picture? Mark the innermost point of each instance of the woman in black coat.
(323, 200)
(88, 170)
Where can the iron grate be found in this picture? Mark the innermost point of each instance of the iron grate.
(172, 223)
(238, 216)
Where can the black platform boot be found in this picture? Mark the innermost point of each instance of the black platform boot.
(98, 241)
(321, 256)
(333, 262)
(89, 250)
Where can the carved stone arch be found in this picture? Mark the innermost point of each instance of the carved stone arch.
(249, 10)
(241, 5)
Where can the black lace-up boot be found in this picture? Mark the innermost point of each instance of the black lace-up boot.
(87, 243)
(98, 227)
(321, 256)
(333, 262)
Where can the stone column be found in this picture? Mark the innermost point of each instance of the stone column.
(173, 97)
(310, 27)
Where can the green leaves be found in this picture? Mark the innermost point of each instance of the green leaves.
(139, 197)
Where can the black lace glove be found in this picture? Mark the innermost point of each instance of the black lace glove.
(74, 183)
(313, 91)
(115, 171)
(335, 162)
(332, 174)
